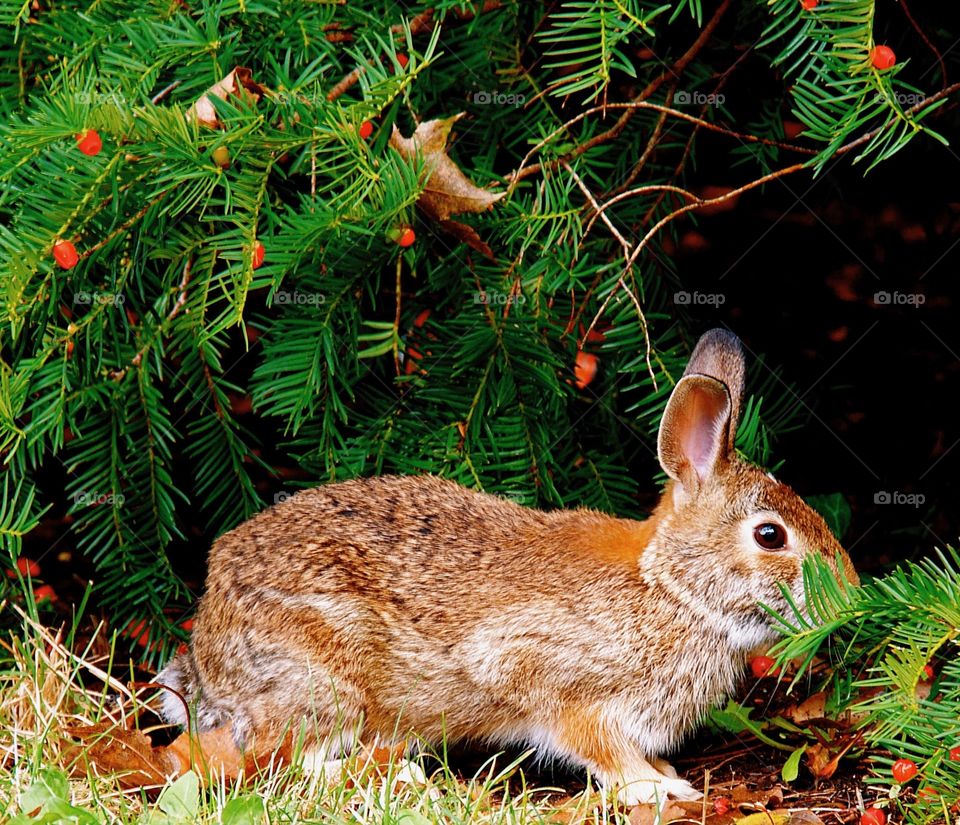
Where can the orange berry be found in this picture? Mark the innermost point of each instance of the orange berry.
(43, 593)
(873, 816)
(221, 157)
(27, 567)
(904, 770)
(407, 237)
(259, 251)
(585, 369)
(65, 254)
(89, 142)
(809, 5)
(365, 130)
(402, 59)
(763, 666)
(882, 57)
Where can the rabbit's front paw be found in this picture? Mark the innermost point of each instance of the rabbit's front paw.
(657, 790)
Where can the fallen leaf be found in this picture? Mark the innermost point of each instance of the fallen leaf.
(764, 818)
(467, 234)
(128, 753)
(670, 812)
(821, 762)
(446, 191)
(813, 707)
(239, 83)
(804, 818)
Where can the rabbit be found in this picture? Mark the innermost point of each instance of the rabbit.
(412, 605)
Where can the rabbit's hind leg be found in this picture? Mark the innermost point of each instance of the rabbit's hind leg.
(597, 742)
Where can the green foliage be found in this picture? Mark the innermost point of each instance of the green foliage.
(155, 391)
(882, 636)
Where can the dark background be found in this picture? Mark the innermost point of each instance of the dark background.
(799, 265)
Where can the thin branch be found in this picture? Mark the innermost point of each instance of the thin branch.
(614, 131)
(620, 283)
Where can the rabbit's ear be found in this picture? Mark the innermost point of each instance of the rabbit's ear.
(694, 429)
(699, 425)
(718, 354)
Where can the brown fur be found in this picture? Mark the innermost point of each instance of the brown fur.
(412, 604)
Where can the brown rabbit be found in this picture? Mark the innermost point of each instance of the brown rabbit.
(414, 605)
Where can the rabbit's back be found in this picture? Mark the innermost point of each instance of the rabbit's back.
(414, 595)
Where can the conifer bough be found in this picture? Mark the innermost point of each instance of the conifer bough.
(545, 156)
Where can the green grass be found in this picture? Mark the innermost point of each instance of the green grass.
(51, 682)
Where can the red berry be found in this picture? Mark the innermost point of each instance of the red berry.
(402, 59)
(904, 770)
(43, 592)
(65, 254)
(764, 666)
(421, 319)
(187, 624)
(809, 5)
(182, 648)
(928, 673)
(365, 130)
(407, 237)
(585, 369)
(955, 754)
(873, 816)
(89, 142)
(27, 567)
(721, 805)
(882, 57)
(258, 252)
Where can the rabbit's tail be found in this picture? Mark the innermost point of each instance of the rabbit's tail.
(183, 696)
(183, 688)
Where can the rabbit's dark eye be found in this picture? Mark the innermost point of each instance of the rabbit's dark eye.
(770, 536)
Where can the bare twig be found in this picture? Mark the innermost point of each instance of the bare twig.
(614, 131)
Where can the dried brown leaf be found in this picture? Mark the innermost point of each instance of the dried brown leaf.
(813, 707)
(447, 191)
(467, 234)
(128, 753)
(670, 812)
(239, 83)
(821, 761)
